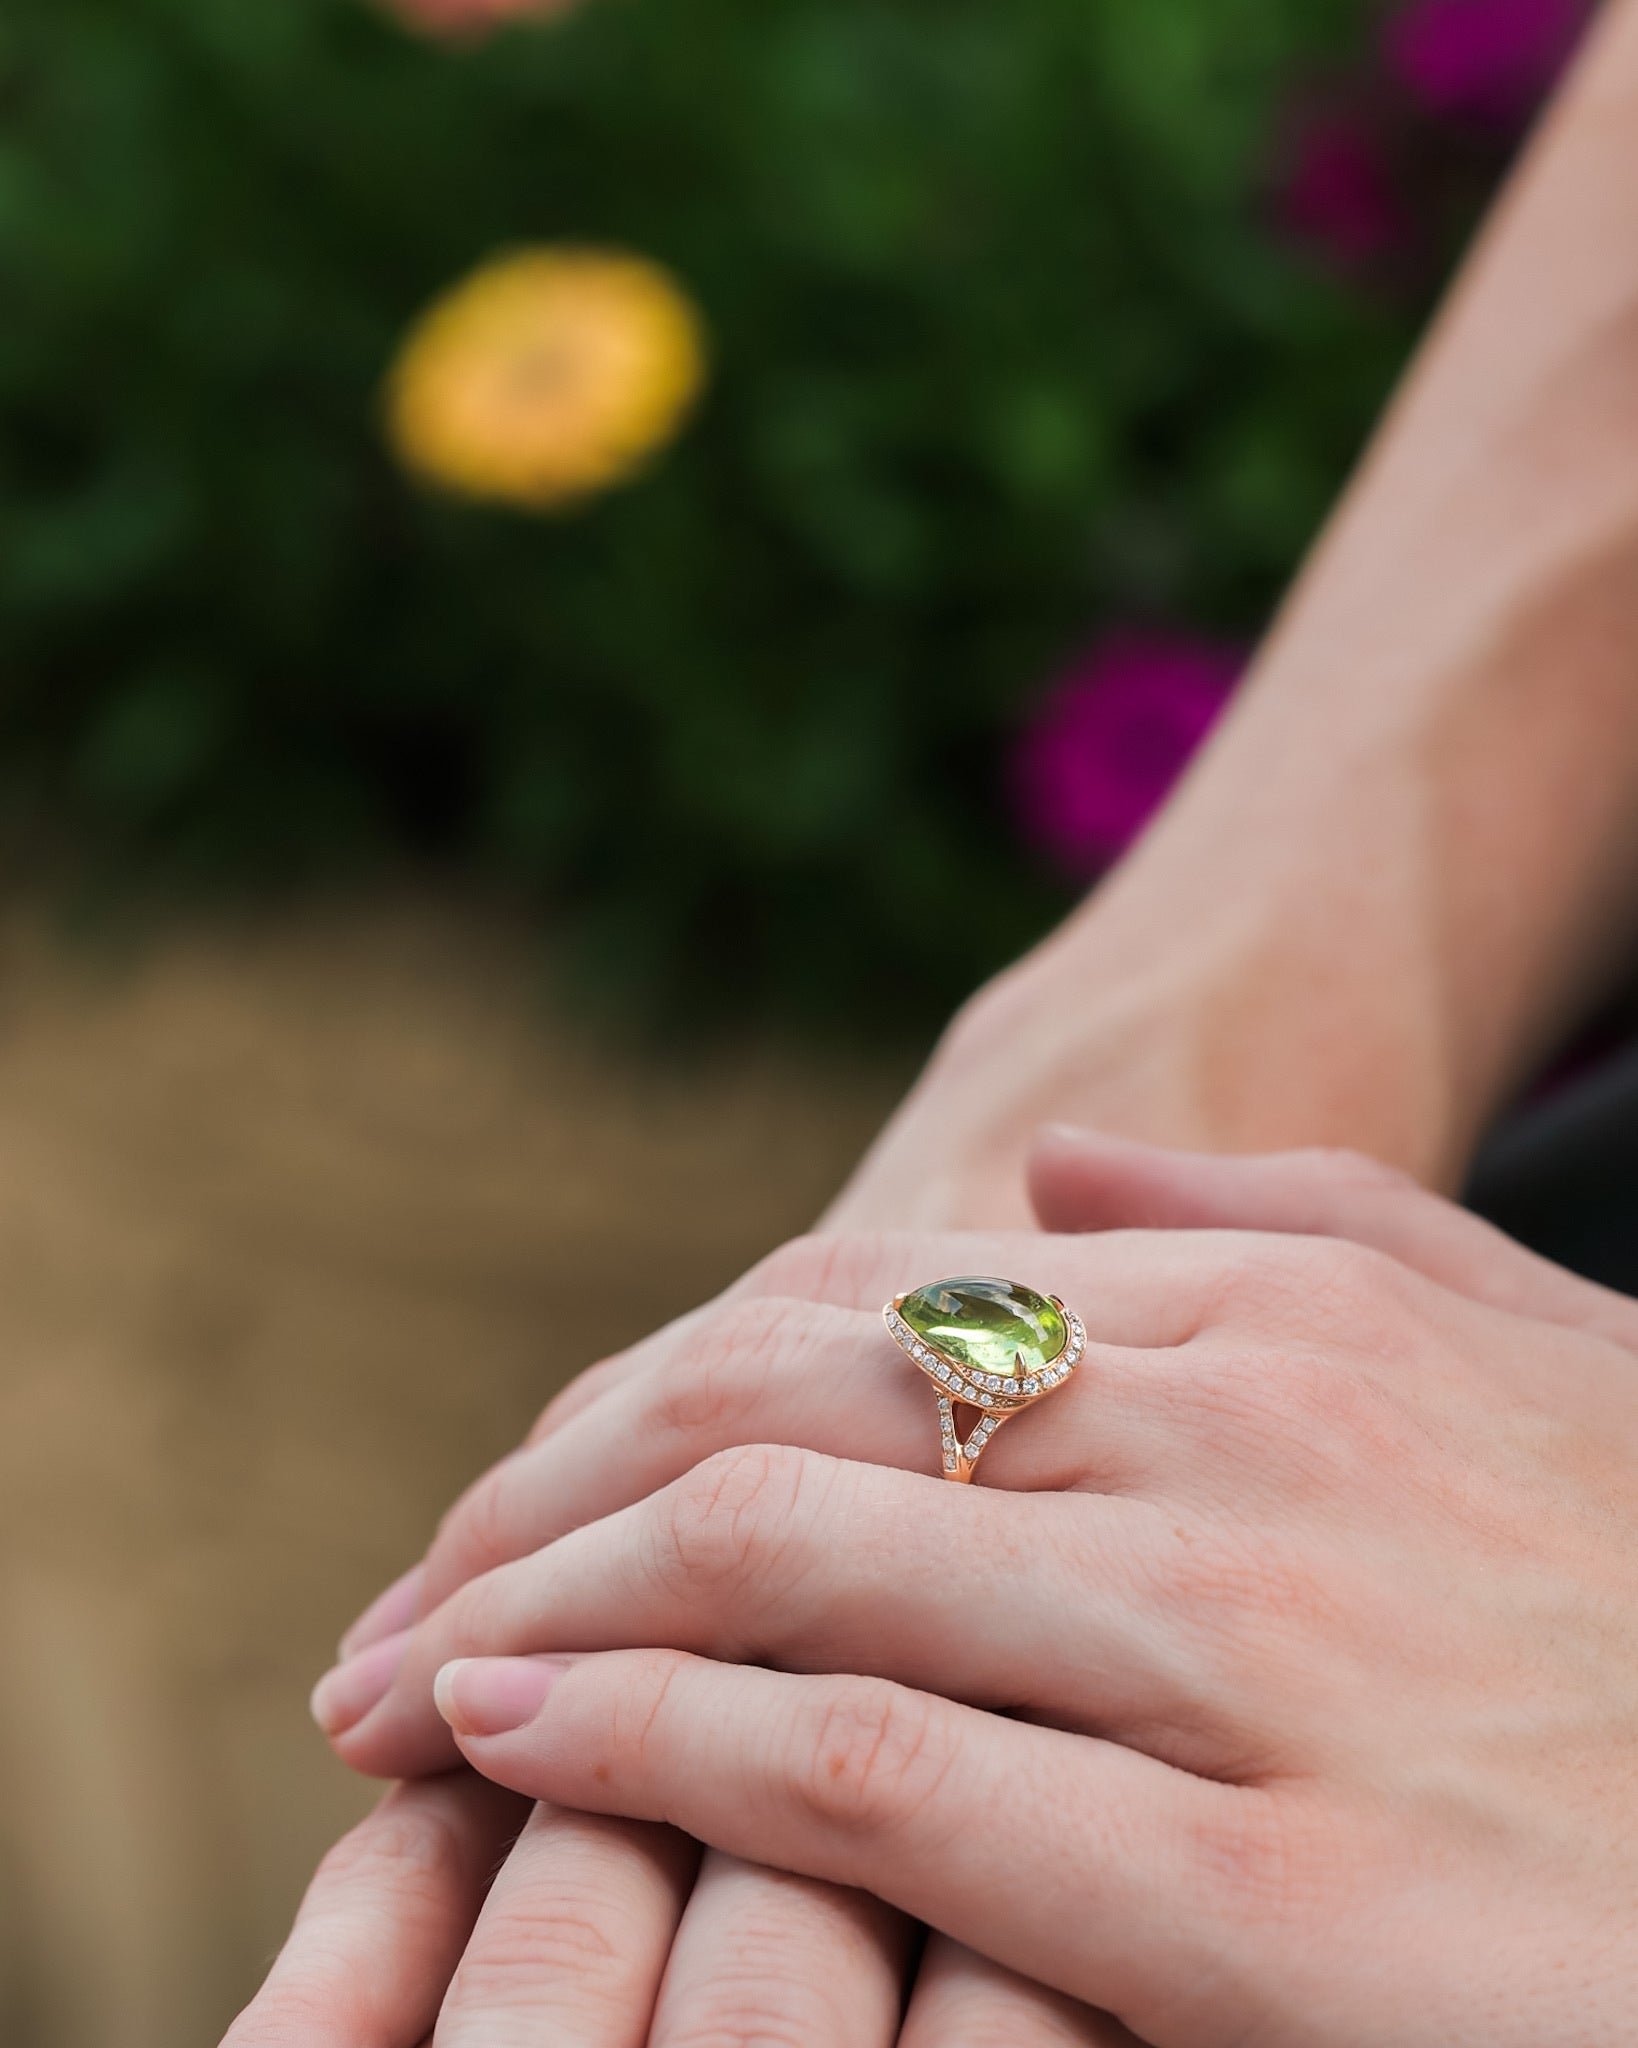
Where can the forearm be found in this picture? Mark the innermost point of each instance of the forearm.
(1441, 743)
(1402, 863)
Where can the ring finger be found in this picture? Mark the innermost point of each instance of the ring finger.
(793, 1354)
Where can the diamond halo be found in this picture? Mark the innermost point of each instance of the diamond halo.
(955, 1377)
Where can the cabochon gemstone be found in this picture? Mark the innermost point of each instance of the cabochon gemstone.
(988, 1326)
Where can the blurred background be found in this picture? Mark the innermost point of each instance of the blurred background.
(571, 577)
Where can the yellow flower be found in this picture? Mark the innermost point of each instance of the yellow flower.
(546, 375)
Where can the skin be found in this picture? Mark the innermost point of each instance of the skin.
(386, 1917)
(1384, 888)
(1409, 856)
(1303, 1706)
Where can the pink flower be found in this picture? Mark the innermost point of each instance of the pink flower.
(464, 20)
(1106, 745)
(1493, 59)
(1339, 190)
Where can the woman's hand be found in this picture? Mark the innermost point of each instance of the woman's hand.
(1316, 1586)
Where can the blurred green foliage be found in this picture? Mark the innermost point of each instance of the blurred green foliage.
(1004, 349)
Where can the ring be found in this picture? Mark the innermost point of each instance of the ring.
(992, 1344)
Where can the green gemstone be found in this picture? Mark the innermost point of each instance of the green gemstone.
(987, 1326)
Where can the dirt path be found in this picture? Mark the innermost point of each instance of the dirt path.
(296, 1231)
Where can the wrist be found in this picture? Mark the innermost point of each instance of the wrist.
(1227, 1035)
(1054, 1037)
(1251, 1012)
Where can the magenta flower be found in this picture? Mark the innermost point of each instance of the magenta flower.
(1339, 192)
(1493, 60)
(464, 20)
(1104, 748)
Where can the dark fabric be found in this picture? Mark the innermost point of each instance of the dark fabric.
(1562, 1176)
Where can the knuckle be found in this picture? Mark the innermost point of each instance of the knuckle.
(1344, 1266)
(775, 1983)
(799, 1266)
(1241, 1388)
(822, 1266)
(406, 1866)
(486, 1615)
(719, 1522)
(744, 2016)
(407, 1851)
(640, 1729)
(1284, 1408)
(1361, 1300)
(1324, 1286)
(290, 2009)
(476, 1531)
(873, 1757)
(568, 1401)
(520, 1961)
(729, 1362)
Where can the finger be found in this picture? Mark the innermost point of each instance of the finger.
(1084, 1866)
(1081, 1180)
(963, 2000)
(762, 1956)
(387, 1614)
(583, 1391)
(572, 1941)
(766, 1371)
(779, 1360)
(405, 1599)
(591, 1453)
(384, 1922)
(786, 1370)
(766, 1555)
(589, 1387)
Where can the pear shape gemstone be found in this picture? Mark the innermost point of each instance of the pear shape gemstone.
(987, 1326)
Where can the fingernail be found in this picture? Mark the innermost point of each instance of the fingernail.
(493, 1695)
(386, 1614)
(344, 1696)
